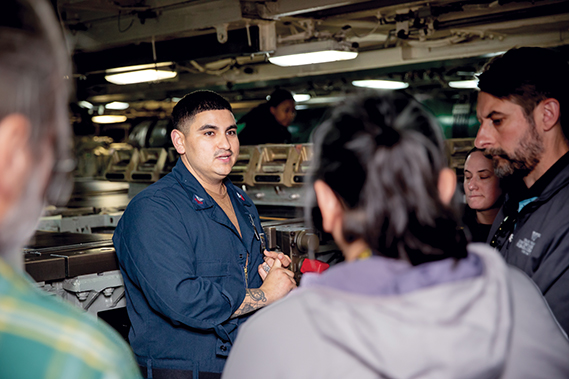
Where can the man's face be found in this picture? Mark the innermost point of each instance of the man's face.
(481, 186)
(210, 145)
(284, 112)
(507, 135)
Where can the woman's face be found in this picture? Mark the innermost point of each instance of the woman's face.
(481, 186)
(284, 112)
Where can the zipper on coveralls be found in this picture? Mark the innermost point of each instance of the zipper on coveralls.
(247, 261)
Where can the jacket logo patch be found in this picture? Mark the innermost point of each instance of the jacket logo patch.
(525, 245)
(198, 199)
(241, 197)
(535, 235)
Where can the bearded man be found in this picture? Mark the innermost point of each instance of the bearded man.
(522, 109)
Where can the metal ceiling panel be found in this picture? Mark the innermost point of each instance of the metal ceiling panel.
(168, 22)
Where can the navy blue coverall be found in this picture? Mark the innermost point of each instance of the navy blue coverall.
(183, 265)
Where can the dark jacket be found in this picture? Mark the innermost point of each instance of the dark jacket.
(183, 266)
(261, 127)
(476, 232)
(539, 245)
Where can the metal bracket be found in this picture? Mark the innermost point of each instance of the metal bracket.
(221, 31)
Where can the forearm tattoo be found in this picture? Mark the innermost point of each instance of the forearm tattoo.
(254, 299)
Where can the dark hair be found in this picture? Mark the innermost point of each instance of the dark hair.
(194, 103)
(381, 153)
(278, 96)
(473, 150)
(527, 76)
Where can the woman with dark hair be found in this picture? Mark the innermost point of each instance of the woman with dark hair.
(422, 304)
(483, 195)
(268, 122)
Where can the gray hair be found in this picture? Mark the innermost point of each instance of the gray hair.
(35, 70)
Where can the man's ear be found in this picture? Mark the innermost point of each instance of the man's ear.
(15, 159)
(329, 205)
(447, 185)
(178, 139)
(551, 113)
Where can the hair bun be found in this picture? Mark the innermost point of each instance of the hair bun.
(387, 137)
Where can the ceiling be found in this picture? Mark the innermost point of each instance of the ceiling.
(224, 44)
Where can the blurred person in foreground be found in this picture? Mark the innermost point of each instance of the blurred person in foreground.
(40, 335)
(424, 304)
(483, 195)
(268, 122)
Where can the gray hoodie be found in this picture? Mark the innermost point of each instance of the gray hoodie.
(494, 324)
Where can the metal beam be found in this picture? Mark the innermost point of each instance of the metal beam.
(283, 8)
(170, 22)
(388, 58)
(368, 60)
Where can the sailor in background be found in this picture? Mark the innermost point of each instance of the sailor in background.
(268, 122)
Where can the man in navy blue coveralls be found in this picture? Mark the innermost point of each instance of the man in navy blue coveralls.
(190, 251)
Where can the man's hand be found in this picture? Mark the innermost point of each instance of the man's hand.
(277, 283)
(270, 257)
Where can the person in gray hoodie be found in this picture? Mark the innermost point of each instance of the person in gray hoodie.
(423, 304)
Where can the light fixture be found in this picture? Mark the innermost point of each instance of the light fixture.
(108, 119)
(117, 105)
(312, 53)
(85, 104)
(380, 84)
(490, 55)
(300, 97)
(139, 74)
(464, 84)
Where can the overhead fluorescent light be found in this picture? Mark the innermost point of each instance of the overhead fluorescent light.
(300, 97)
(380, 84)
(108, 119)
(140, 73)
(117, 105)
(490, 55)
(85, 104)
(312, 53)
(140, 76)
(464, 84)
(138, 67)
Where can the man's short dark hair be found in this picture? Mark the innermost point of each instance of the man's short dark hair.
(194, 103)
(526, 76)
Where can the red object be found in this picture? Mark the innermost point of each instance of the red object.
(313, 265)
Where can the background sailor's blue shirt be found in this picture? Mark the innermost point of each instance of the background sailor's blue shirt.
(183, 262)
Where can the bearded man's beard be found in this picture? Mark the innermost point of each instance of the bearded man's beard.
(523, 160)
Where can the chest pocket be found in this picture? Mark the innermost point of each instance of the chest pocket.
(212, 269)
